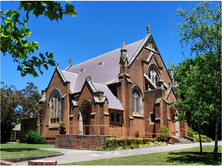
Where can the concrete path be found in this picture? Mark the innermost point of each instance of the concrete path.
(73, 155)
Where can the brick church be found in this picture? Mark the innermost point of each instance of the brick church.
(126, 90)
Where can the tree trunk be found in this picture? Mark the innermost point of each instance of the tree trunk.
(216, 141)
(199, 130)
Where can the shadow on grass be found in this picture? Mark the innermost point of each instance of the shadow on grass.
(206, 158)
(17, 149)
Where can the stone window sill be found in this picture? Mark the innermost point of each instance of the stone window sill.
(137, 115)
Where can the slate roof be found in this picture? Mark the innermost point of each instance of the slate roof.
(71, 77)
(103, 70)
(106, 73)
(114, 103)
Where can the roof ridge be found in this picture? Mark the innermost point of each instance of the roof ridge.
(69, 72)
(102, 55)
(99, 84)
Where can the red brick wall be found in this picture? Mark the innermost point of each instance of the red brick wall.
(56, 82)
(80, 141)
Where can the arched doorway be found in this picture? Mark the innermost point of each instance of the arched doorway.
(84, 118)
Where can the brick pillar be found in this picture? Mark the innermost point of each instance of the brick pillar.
(183, 128)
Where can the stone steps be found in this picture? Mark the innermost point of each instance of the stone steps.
(185, 141)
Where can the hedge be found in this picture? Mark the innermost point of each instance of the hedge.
(112, 141)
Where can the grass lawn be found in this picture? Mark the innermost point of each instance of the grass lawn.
(24, 145)
(189, 156)
(14, 150)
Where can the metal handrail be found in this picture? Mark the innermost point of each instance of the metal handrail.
(112, 131)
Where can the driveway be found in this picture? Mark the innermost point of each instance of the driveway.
(74, 155)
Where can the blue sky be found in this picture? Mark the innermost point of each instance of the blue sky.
(98, 28)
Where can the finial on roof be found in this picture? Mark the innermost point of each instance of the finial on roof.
(70, 61)
(123, 46)
(170, 67)
(57, 63)
(123, 49)
(148, 29)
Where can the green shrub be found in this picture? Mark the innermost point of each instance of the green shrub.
(104, 147)
(119, 142)
(99, 148)
(124, 147)
(127, 141)
(110, 141)
(131, 141)
(132, 146)
(139, 140)
(34, 138)
(154, 139)
(146, 140)
(195, 132)
(124, 141)
(204, 138)
(112, 147)
(165, 131)
(62, 125)
(137, 146)
(137, 134)
(190, 131)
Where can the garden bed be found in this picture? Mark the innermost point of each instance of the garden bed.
(129, 143)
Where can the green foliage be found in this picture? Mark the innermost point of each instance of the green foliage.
(139, 140)
(200, 78)
(195, 132)
(16, 104)
(104, 147)
(62, 125)
(34, 138)
(124, 141)
(112, 148)
(146, 140)
(131, 141)
(137, 134)
(204, 138)
(127, 141)
(132, 146)
(165, 131)
(137, 146)
(190, 131)
(100, 148)
(10, 101)
(14, 34)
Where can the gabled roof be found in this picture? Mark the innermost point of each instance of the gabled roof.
(103, 69)
(114, 103)
(96, 88)
(70, 77)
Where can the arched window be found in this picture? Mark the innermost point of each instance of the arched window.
(55, 106)
(137, 100)
(153, 73)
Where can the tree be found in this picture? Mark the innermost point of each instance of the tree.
(14, 34)
(29, 102)
(200, 78)
(15, 105)
(10, 110)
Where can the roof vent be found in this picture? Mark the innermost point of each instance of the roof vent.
(101, 63)
(82, 70)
